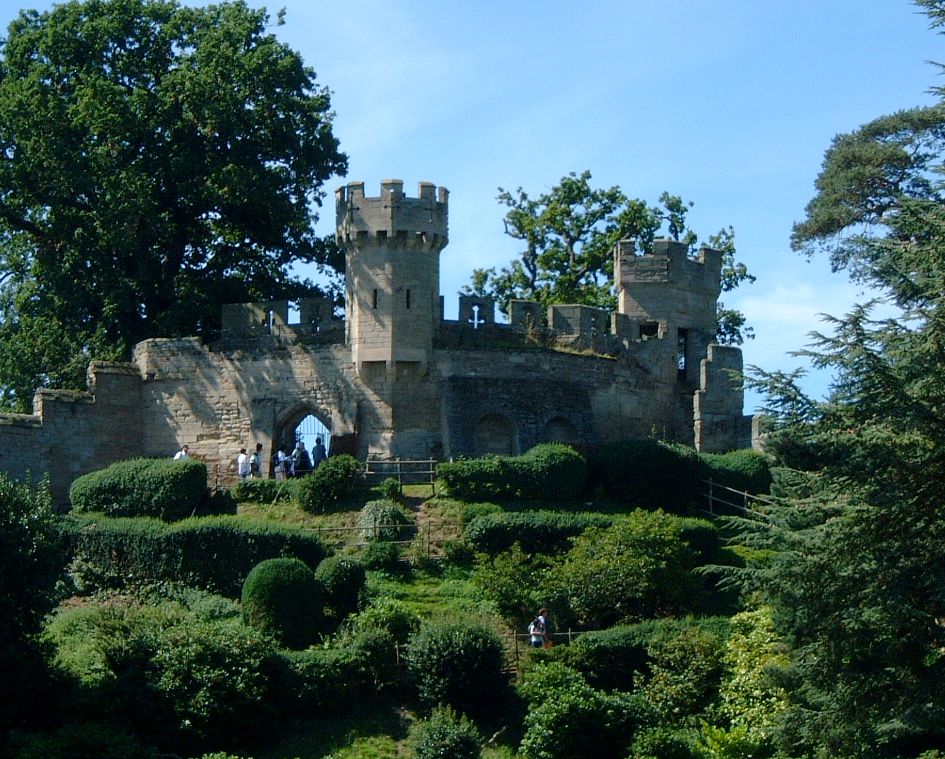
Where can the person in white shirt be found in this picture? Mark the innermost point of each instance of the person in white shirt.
(182, 453)
(242, 464)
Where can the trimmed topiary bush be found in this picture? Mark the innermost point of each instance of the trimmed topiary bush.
(342, 579)
(161, 488)
(550, 471)
(284, 598)
(457, 664)
(383, 556)
(745, 470)
(649, 474)
(445, 735)
(384, 520)
(324, 489)
(545, 532)
(215, 553)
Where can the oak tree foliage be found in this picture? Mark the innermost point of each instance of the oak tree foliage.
(568, 235)
(156, 161)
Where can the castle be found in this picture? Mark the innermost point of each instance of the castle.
(396, 379)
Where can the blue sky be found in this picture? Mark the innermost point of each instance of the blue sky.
(728, 103)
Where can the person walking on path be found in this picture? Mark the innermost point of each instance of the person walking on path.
(242, 464)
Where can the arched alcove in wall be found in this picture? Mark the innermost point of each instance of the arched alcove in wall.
(495, 434)
(559, 430)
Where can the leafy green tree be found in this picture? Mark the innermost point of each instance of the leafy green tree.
(569, 233)
(30, 564)
(856, 581)
(157, 161)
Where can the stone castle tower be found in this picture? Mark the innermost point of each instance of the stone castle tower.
(394, 379)
(392, 273)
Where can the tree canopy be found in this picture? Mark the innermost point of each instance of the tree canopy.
(156, 161)
(568, 235)
(856, 578)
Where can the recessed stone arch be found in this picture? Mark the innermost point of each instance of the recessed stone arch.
(495, 434)
(283, 432)
(559, 429)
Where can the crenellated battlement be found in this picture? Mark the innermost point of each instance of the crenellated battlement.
(669, 263)
(392, 219)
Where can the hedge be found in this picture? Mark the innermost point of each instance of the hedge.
(536, 531)
(550, 471)
(161, 488)
(385, 520)
(744, 470)
(647, 474)
(215, 553)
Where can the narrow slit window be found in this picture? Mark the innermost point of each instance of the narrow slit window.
(374, 299)
(682, 348)
(408, 299)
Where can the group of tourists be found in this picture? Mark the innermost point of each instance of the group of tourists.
(284, 465)
(299, 462)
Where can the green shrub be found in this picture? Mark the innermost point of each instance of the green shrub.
(635, 569)
(665, 743)
(215, 553)
(324, 489)
(459, 553)
(389, 616)
(87, 740)
(510, 580)
(166, 674)
(342, 579)
(384, 520)
(445, 735)
(321, 680)
(579, 722)
(745, 470)
(284, 598)
(457, 664)
(470, 511)
(550, 471)
(392, 490)
(647, 474)
(31, 563)
(161, 488)
(264, 491)
(383, 556)
(619, 657)
(546, 532)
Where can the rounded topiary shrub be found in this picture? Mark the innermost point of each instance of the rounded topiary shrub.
(445, 735)
(342, 579)
(324, 489)
(285, 598)
(384, 520)
(458, 664)
(383, 556)
(161, 488)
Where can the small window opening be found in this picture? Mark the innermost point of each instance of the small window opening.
(649, 329)
(374, 299)
(682, 346)
(408, 299)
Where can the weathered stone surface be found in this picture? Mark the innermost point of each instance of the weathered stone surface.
(394, 379)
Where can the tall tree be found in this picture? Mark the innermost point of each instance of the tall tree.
(569, 233)
(857, 581)
(155, 161)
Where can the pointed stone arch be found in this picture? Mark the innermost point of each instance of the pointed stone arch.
(283, 432)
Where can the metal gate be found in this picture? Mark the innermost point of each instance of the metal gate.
(310, 428)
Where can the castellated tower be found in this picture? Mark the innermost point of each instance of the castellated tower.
(392, 283)
(667, 294)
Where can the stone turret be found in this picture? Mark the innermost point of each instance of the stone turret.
(671, 295)
(392, 283)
